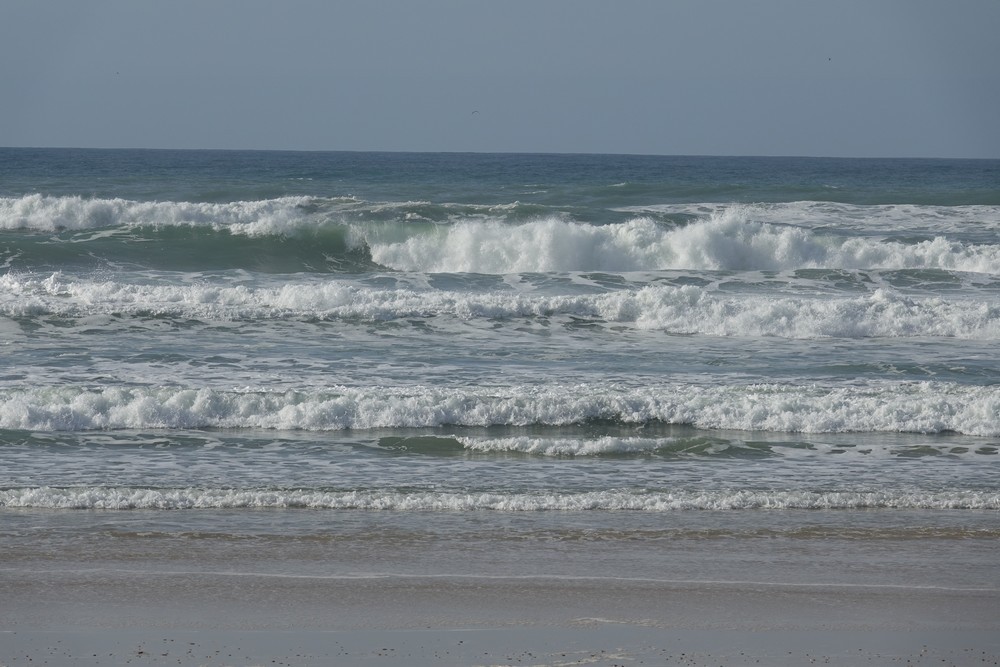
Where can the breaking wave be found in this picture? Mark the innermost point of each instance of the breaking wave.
(730, 241)
(502, 239)
(923, 407)
(683, 310)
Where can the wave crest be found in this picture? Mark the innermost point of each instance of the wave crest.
(682, 310)
(731, 240)
(504, 239)
(251, 218)
(916, 407)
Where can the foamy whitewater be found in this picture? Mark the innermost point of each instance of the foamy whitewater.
(452, 335)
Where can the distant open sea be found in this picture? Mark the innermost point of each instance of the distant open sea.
(378, 349)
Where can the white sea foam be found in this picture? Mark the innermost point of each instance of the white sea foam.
(728, 240)
(125, 498)
(685, 310)
(883, 313)
(867, 219)
(700, 447)
(544, 245)
(251, 218)
(565, 446)
(878, 407)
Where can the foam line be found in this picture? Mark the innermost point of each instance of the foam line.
(881, 313)
(125, 498)
(922, 407)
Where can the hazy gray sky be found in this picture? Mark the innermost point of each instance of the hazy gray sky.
(706, 77)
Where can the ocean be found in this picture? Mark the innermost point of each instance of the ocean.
(501, 364)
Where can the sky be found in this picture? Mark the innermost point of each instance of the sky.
(852, 78)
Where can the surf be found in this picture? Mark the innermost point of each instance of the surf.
(733, 309)
(906, 407)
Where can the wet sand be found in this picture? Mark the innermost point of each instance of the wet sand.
(116, 617)
(305, 588)
(561, 646)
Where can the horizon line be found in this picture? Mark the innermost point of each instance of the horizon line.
(487, 152)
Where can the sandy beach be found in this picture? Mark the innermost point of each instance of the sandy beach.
(169, 600)
(556, 646)
(165, 620)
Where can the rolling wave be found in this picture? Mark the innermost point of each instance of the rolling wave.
(726, 242)
(50, 214)
(883, 312)
(902, 407)
(301, 233)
